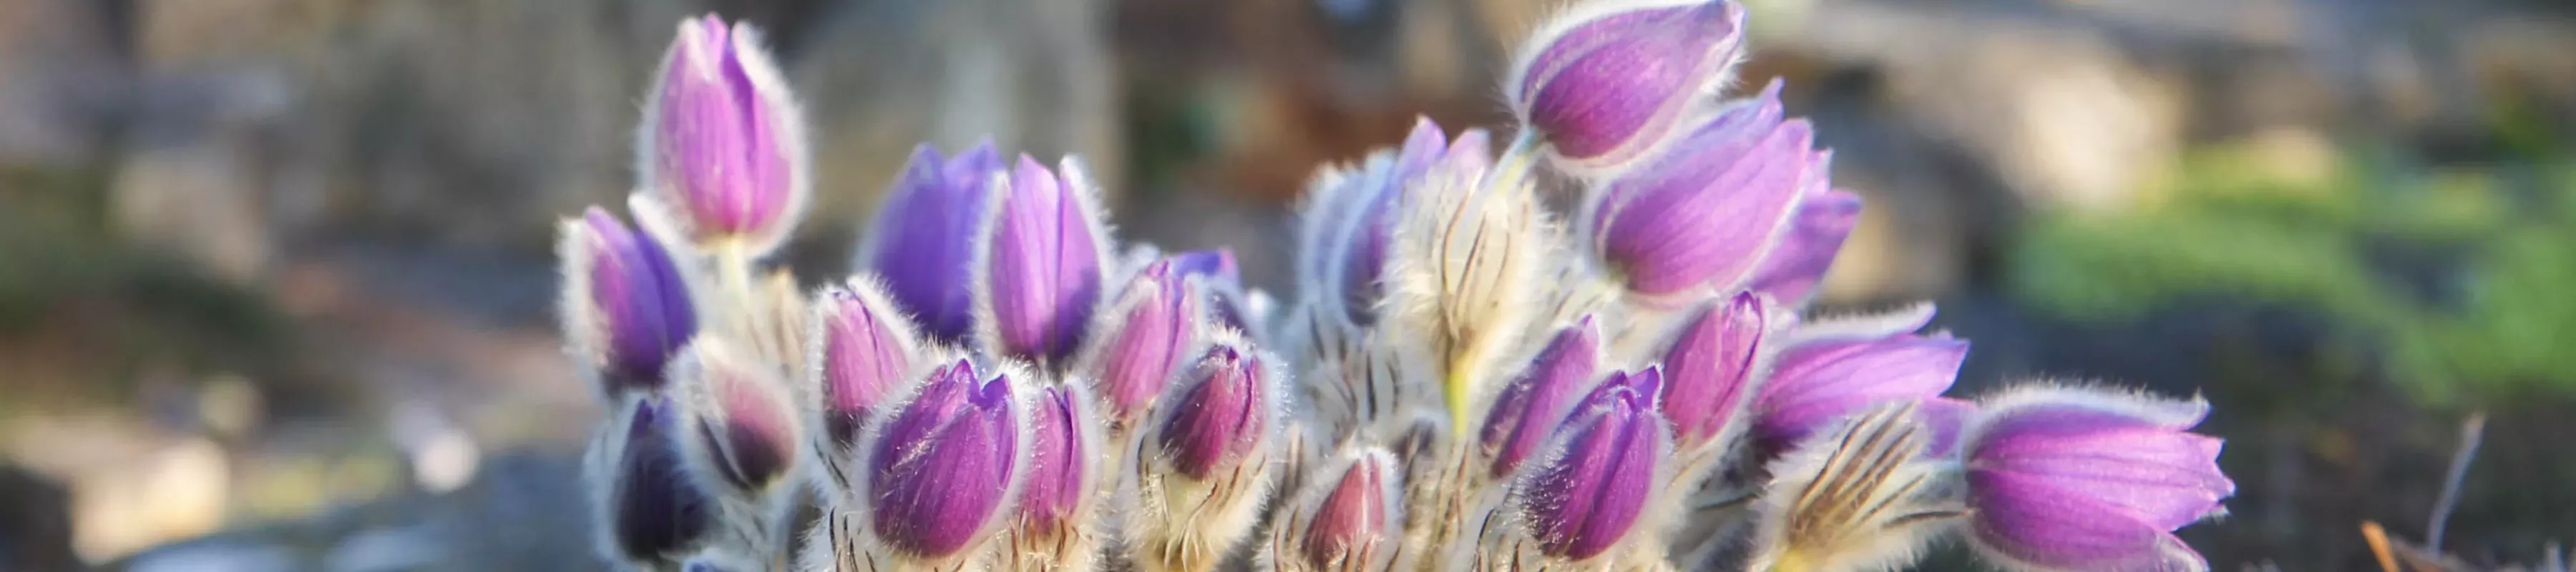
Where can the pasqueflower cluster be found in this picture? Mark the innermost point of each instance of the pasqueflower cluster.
(1465, 379)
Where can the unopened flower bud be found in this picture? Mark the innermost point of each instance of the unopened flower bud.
(1223, 417)
(1465, 270)
(1351, 519)
(1147, 333)
(1815, 383)
(1711, 368)
(943, 468)
(1702, 216)
(724, 145)
(1066, 444)
(1038, 276)
(865, 348)
(1790, 272)
(746, 430)
(626, 307)
(1350, 223)
(653, 513)
(1609, 82)
(923, 241)
(1526, 413)
(2072, 479)
(1208, 464)
(1587, 498)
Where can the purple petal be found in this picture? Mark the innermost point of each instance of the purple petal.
(637, 293)
(2160, 476)
(1606, 90)
(1947, 418)
(1529, 408)
(1044, 267)
(1794, 266)
(1057, 459)
(1352, 521)
(1589, 497)
(754, 438)
(944, 464)
(866, 352)
(925, 233)
(1710, 366)
(716, 136)
(1220, 418)
(658, 513)
(1704, 216)
(1812, 385)
(2031, 523)
(1155, 325)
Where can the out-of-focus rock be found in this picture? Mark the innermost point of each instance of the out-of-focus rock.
(36, 530)
(65, 71)
(131, 486)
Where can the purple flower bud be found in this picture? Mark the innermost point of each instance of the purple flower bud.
(1794, 266)
(654, 513)
(725, 147)
(1589, 496)
(746, 428)
(1648, 382)
(1365, 256)
(923, 241)
(1818, 382)
(1040, 271)
(2068, 484)
(1222, 417)
(1357, 519)
(1528, 409)
(1152, 328)
(1607, 85)
(1060, 456)
(866, 349)
(1703, 215)
(1223, 281)
(945, 464)
(1712, 367)
(626, 305)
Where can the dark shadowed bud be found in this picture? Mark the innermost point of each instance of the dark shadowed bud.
(1038, 275)
(626, 307)
(653, 512)
(923, 241)
(723, 145)
(1142, 337)
(1349, 519)
(2081, 479)
(1702, 216)
(865, 347)
(1061, 475)
(1817, 382)
(1610, 81)
(944, 467)
(745, 428)
(1711, 367)
(1222, 416)
(1588, 497)
(1790, 272)
(741, 415)
(1526, 413)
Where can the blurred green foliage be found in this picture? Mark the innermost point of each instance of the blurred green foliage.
(2462, 280)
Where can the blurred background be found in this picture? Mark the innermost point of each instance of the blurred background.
(276, 282)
